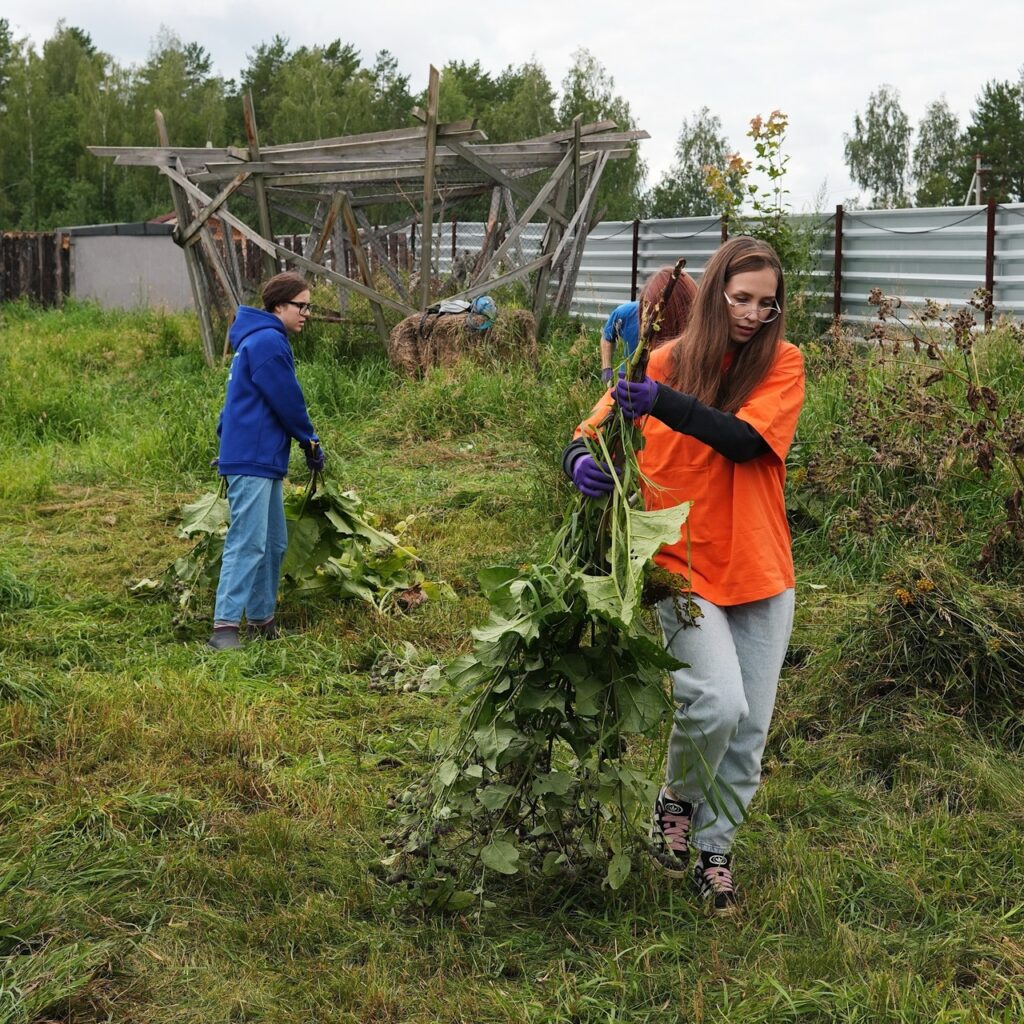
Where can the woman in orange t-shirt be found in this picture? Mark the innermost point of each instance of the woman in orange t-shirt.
(719, 407)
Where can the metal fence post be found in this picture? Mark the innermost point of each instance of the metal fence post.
(636, 259)
(990, 261)
(837, 267)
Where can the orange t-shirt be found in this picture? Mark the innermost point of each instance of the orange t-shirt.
(739, 544)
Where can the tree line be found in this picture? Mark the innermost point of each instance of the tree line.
(893, 164)
(56, 101)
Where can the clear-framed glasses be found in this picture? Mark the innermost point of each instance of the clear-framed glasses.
(302, 307)
(741, 310)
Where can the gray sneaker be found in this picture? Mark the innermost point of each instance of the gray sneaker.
(224, 638)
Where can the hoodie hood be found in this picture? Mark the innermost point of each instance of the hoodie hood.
(248, 320)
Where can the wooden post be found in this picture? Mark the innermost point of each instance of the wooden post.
(571, 268)
(364, 269)
(192, 265)
(990, 261)
(837, 267)
(551, 239)
(262, 206)
(455, 229)
(577, 191)
(725, 229)
(636, 259)
(231, 258)
(427, 241)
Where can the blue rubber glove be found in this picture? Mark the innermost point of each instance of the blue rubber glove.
(315, 457)
(591, 477)
(635, 398)
(607, 373)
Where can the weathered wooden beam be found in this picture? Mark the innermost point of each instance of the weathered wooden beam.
(372, 239)
(514, 235)
(490, 232)
(364, 268)
(316, 227)
(192, 265)
(231, 259)
(262, 207)
(483, 287)
(316, 253)
(187, 235)
(449, 170)
(565, 134)
(385, 138)
(576, 122)
(551, 238)
(513, 221)
(497, 174)
(575, 256)
(279, 251)
(579, 218)
(426, 242)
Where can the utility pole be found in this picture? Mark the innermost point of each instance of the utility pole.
(975, 185)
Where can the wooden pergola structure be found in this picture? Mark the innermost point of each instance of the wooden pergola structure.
(431, 168)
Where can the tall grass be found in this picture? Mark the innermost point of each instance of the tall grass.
(187, 837)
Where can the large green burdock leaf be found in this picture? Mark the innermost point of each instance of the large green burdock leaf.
(501, 856)
(303, 537)
(648, 531)
(207, 514)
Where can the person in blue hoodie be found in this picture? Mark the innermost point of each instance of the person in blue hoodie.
(263, 410)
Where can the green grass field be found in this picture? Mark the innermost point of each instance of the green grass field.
(192, 837)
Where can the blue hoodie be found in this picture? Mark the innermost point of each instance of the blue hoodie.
(264, 408)
(623, 322)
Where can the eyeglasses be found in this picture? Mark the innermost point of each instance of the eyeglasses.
(741, 310)
(302, 307)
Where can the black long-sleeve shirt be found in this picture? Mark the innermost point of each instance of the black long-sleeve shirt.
(728, 435)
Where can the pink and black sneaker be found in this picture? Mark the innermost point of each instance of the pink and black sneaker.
(712, 875)
(670, 834)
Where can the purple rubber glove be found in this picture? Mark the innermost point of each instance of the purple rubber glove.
(607, 373)
(591, 477)
(315, 458)
(635, 398)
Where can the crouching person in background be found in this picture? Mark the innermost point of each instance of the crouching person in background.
(263, 410)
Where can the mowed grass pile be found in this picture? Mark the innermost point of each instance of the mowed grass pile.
(193, 837)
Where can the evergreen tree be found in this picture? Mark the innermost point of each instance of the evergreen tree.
(996, 132)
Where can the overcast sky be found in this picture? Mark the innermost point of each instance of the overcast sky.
(816, 62)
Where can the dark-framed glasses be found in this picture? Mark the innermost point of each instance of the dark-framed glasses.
(741, 310)
(302, 307)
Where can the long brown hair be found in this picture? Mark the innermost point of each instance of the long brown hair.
(695, 365)
(676, 313)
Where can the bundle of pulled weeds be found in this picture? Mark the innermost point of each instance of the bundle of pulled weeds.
(538, 777)
(336, 549)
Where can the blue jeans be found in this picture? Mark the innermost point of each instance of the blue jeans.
(724, 701)
(253, 550)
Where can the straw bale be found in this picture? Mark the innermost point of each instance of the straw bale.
(446, 339)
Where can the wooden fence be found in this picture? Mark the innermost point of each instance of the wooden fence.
(36, 266)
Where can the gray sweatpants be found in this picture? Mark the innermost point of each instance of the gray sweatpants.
(724, 700)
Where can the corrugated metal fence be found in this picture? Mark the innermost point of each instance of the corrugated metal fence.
(942, 254)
